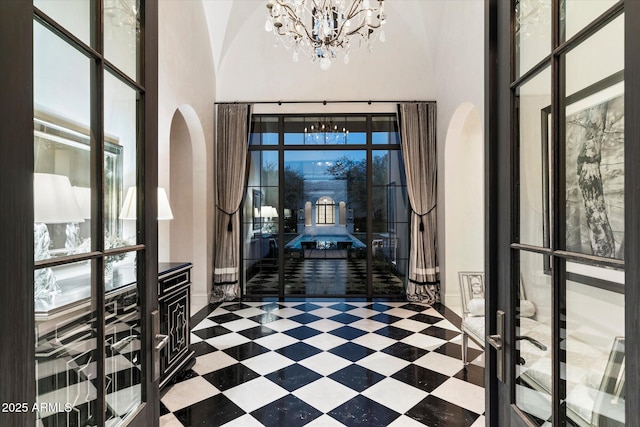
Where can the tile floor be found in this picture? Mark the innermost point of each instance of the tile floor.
(327, 364)
(320, 277)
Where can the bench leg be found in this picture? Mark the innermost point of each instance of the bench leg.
(465, 345)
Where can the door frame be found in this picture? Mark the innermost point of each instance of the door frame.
(499, 220)
(18, 386)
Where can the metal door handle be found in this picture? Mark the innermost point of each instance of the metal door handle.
(532, 341)
(495, 341)
(162, 341)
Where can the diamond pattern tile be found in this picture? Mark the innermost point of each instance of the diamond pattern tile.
(328, 363)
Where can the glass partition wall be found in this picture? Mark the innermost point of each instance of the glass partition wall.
(326, 209)
(568, 183)
(88, 125)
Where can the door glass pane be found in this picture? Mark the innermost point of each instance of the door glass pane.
(594, 145)
(593, 340)
(120, 163)
(74, 15)
(123, 368)
(389, 222)
(532, 33)
(123, 332)
(261, 224)
(533, 320)
(62, 150)
(122, 20)
(534, 131)
(65, 362)
(579, 13)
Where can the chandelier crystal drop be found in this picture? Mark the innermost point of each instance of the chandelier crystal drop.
(321, 29)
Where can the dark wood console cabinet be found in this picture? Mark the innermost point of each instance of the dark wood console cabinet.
(174, 299)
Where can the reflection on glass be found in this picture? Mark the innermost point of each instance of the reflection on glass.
(533, 339)
(262, 214)
(580, 69)
(123, 363)
(595, 146)
(122, 20)
(119, 270)
(534, 127)
(389, 216)
(594, 345)
(74, 15)
(120, 171)
(65, 350)
(61, 150)
(533, 33)
(578, 14)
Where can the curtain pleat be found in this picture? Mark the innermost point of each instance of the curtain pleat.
(419, 151)
(232, 146)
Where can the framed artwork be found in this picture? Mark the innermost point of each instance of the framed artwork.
(593, 178)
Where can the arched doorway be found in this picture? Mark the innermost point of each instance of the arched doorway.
(464, 200)
(188, 197)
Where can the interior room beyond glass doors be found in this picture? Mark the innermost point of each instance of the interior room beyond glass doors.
(326, 209)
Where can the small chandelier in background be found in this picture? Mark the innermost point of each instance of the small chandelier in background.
(322, 28)
(325, 132)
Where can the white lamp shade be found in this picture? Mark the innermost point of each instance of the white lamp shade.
(128, 210)
(54, 200)
(268, 212)
(164, 210)
(83, 196)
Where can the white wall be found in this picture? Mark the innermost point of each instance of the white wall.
(464, 201)
(186, 77)
(459, 77)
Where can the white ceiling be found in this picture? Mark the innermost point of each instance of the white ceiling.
(244, 52)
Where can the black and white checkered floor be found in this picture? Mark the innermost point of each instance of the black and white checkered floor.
(320, 277)
(327, 364)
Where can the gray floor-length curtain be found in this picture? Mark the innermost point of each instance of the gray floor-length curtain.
(231, 159)
(418, 139)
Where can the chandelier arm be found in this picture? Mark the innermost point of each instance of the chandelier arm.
(293, 17)
(353, 13)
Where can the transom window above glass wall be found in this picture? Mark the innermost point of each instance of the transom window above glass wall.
(325, 130)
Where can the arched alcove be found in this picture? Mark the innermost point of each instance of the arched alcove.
(463, 200)
(188, 196)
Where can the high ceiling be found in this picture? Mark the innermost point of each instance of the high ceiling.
(407, 20)
(241, 47)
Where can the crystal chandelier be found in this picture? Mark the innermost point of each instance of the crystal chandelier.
(325, 132)
(321, 28)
